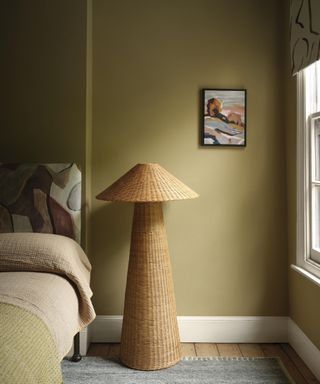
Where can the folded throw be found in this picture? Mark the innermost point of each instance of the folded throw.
(39, 252)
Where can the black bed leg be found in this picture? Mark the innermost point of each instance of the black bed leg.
(76, 349)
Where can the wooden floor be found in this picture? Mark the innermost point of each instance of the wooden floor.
(293, 363)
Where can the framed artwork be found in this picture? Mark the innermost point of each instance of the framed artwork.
(224, 117)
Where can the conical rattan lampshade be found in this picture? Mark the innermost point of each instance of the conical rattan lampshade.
(147, 183)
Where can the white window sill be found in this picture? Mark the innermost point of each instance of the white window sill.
(306, 274)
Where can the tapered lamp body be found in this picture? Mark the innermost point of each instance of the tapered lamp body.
(150, 337)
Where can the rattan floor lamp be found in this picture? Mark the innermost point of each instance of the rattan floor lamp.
(150, 337)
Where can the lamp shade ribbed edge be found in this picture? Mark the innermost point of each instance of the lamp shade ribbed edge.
(147, 183)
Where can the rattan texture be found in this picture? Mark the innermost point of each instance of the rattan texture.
(150, 336)
(147, 182)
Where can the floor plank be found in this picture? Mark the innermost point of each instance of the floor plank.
(275, 350)
(98, 349)
(251, 350)
(206, 349)
(188, 349)
(114, 350)
(229, 350)
(301, 366)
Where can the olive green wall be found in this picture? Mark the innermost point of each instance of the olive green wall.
(304, 296)
(150, 60)
(43, 81)
(43, 51)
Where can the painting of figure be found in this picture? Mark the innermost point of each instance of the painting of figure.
(224, 117)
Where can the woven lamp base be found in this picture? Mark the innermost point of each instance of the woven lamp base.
(150, 336)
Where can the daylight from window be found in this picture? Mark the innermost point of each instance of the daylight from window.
(312, 162)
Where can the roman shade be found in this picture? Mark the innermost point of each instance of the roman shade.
(305, 33)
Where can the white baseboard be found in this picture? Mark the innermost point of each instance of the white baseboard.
(233, 329)
(201, 329)
(84, 342)
(308, 352)
(106, 329)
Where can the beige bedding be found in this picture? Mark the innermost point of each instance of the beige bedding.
(49, 276)
(51, 297)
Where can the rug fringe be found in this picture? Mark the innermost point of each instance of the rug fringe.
(227, 358)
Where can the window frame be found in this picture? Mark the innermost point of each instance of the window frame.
(313, 182)
(305, 264)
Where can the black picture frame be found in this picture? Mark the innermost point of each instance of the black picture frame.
(224, 117)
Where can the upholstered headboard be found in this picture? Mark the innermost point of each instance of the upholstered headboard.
(41, 198)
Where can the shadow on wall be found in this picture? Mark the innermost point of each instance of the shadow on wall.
(111, 239)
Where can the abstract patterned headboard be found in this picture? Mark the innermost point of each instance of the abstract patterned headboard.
(41, 198)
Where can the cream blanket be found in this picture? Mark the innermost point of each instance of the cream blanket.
(65, 308)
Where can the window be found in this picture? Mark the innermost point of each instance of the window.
(315, 187)
(308, 229)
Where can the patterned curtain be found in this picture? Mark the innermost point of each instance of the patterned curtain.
(305, 33)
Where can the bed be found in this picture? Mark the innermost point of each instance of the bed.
(44, 273)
